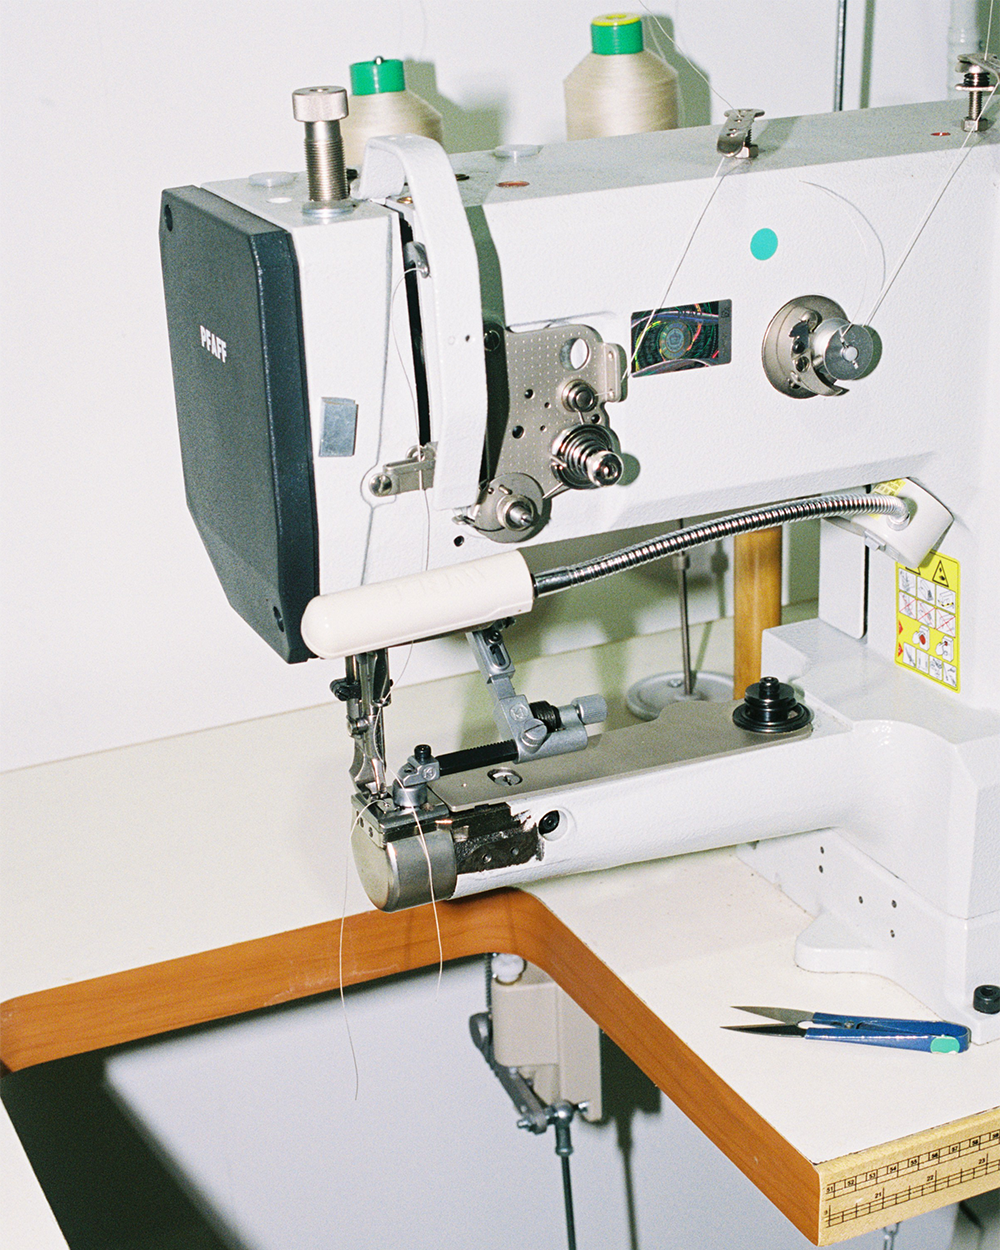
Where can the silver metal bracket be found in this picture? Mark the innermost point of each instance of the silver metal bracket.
(557, 435)
(512, 712)
(531, 1109)
(410, 787)
(535, 1115)
(734, 140)
(398, 477)
(987, 61)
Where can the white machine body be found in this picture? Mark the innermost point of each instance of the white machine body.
(599, 265)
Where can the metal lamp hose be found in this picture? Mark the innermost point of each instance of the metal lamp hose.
(550, 581)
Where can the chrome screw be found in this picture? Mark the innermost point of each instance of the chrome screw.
(976, 82)
(321, 109)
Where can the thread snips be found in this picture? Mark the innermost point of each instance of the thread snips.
(937, 1036)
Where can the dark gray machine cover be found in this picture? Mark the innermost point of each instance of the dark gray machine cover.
(234, 318)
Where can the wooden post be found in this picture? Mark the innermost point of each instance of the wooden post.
(757, 601)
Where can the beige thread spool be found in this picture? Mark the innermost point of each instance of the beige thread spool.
(381, 105)
(619, 88)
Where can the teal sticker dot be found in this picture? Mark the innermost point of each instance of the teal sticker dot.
(764, 244)
(945, 1045)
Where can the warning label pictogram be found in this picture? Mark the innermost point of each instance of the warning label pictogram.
(927, 619)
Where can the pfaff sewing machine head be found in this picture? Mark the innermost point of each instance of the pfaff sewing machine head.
(467, 356)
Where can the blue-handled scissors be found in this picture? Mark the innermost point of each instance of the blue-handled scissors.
(937, 1036)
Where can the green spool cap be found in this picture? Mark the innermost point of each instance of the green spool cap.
(377, 77)
(614, 34)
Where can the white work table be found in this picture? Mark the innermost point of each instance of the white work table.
(184, 880)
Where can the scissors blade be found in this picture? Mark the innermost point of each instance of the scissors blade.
(769, 1030)
(784, 1014)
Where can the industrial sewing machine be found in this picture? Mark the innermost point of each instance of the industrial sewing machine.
(384, 395)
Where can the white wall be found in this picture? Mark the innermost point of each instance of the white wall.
(114, 629)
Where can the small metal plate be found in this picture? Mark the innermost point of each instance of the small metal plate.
(540, 363)
(648, 697)
(340, 420)
(682, 733)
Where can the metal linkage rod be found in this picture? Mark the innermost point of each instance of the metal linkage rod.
(561, 1115)
(840, 58)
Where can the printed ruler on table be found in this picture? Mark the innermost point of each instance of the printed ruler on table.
(876, 1187)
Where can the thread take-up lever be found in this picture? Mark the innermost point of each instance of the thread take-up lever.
(734, 139)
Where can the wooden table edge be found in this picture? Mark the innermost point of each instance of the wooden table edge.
(247, 976)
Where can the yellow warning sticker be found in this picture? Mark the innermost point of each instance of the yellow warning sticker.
(927, 615)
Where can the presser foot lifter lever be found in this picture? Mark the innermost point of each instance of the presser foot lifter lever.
(528, 730)
(532, 730)
(535, 1116)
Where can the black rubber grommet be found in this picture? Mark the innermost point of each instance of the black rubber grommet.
(986, 998)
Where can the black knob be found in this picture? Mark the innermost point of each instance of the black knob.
(770, 707)
(345, 690)
(549, 716)
(549, 823)
(986, 999)
(422, 753)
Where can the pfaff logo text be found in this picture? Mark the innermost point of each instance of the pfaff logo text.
(212, 343)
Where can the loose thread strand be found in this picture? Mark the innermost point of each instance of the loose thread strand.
(430, 877)
(340, 960)
(686, 59)
(716, 182)
(963, 152)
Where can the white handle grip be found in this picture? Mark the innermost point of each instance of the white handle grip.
(422, 605)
